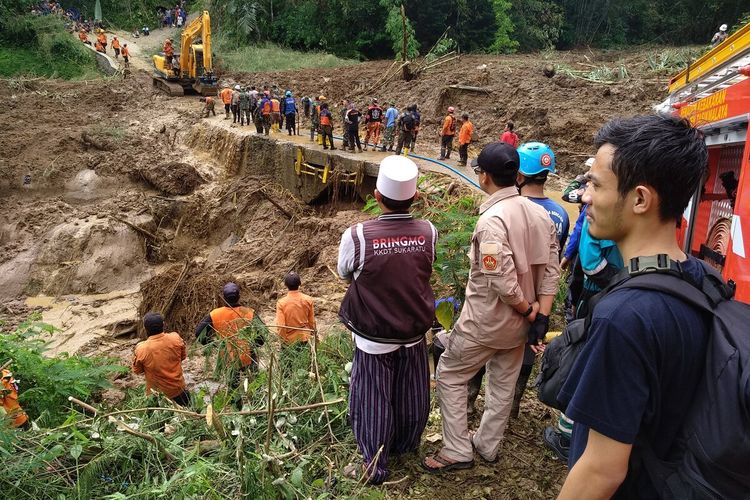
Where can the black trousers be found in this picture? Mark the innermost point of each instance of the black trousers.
(182, 399)
(405, 138)
(446, 146)
(291, 124)
(352, 133)
(327, 133)
(463, 153)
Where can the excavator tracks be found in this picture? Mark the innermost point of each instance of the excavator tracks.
(171, 88)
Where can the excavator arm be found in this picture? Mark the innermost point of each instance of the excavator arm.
(200, 26)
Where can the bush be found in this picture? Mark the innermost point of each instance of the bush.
(46, 382)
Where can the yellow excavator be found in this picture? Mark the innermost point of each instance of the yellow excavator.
(192, 66)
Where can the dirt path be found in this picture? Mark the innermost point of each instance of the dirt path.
(143, 47)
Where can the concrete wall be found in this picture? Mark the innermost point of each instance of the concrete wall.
(106, 64)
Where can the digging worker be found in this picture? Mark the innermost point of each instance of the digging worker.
(226, 323)
(116, 46)
(295, 310)
(373, 122)
(513, 277)
(84, 37)
(389, 306)
(226, 98)
(447, 133)
(159, 358)
(464, 139)
(209, 106)
(391, 115)
(11, 412)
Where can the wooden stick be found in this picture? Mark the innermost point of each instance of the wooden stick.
(139, 229)
(470, 88)
(314, 353)
(290, 409)
(269, 410)
(276, 204)
(83, 405)
(151, 439)
(6, 364)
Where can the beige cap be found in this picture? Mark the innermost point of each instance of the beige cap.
(590, 162)
(397, 178)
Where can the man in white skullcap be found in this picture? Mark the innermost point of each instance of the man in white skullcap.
(389, 307)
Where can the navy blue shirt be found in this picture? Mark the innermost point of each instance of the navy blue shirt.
(559, 217)
(636, 375)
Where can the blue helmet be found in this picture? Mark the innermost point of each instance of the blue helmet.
(289, 93)
(536, 157)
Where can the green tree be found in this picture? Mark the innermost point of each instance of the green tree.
(394, 27)
(503, 41)
(537, 23)
(476, 25)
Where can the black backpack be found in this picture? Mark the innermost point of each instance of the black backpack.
(408, 121)
(713, 447)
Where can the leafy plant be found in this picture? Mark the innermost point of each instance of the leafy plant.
(47, 382)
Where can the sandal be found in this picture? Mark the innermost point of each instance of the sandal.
(446, 465)
(354, 471)
(471, 438)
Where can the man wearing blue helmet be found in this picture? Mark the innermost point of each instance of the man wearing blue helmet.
(537, 161)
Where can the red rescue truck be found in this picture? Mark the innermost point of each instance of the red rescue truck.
(714, 94)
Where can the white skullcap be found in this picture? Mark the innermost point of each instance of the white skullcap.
(236, 87)
(397, 178)
(590, 162)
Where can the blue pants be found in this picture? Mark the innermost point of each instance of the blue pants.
(389, 402)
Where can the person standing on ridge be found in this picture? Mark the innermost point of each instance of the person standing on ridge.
(509, 136)
(447, 133)
(391, 116)
(373, 119)
(352, 127)
(235, 104)
(290, 111)
(326, 125)
(226, 98)
(116, 46)
(464, 139)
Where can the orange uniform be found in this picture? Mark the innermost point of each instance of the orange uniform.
(467, 130)
(226, 96)
(125, 52)
(159, 358)
(115, 43)
(296, 309)
(227, 322)
(275, 106)
(98, 46)
(168, 49)
(83, 36)
(449, 126)
(102, 38)
(9, 400)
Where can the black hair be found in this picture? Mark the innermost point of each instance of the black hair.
(324, 105)
(510, 126)
(397, 205)
(292, 280)
(504, 179)
(661, 151)
(153, 323)
(539, 178)
(465, 116)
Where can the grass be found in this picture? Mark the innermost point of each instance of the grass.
(25, 62)
(270, 57)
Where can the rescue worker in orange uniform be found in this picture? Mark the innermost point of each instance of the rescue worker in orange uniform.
(99, 47)
(84, 37)
(373, 120)
(208, 108)
(11, 414)
(464, 139)
(294, 310)
(159, 358)
(126, 54)
(116, 46)
(275, 114)
(102, 39)
(168, 52)
(226, 323)
(447, 133)
(226, 98)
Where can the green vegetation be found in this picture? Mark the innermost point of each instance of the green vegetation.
(270, 57)
(210, 450)
(40, 46)
(46, 382)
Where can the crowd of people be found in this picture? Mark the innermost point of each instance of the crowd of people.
(175, 17)
(386, 128)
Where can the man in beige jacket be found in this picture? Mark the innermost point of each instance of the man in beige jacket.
(512, 284)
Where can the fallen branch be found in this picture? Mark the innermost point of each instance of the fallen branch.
(469, 88)
(139, 229)
(276, 204)
(290, 409)
(170, 301)
(151, 439)
(270, 404)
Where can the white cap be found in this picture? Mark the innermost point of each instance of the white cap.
(723, 27)
(236, 87)
(590, 162)
(397, 178)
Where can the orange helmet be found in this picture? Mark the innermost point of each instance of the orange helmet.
(322, 98)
